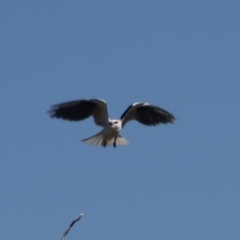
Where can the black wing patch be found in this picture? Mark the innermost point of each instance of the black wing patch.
(73, 111)
(125, 112)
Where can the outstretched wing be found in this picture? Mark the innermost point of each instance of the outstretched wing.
(146, 114)
(81, 109)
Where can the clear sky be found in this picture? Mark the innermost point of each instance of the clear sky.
(177, 181)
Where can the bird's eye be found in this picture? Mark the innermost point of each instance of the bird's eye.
(116, 122)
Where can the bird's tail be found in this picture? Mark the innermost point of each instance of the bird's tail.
(121, 141)
(98, 139)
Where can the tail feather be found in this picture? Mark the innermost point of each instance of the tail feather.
(97, 139)
(94, 140)
(122, 141)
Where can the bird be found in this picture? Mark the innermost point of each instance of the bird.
(78, 110)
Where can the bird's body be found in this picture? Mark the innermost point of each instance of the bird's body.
(81, 109)
(108, 136)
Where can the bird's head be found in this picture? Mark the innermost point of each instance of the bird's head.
(115, 123)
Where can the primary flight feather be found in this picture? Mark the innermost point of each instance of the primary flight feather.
(78, 110)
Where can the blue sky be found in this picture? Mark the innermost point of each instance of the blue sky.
(172, 182)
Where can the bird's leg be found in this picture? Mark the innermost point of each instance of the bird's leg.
(114, 142)
(104, 143)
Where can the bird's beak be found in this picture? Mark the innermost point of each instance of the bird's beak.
(110, 123)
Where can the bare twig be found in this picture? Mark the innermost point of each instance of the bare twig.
(69, 228)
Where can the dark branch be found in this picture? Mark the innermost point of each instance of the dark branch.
(69, 228)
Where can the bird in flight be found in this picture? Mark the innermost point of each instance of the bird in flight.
(78, 110)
